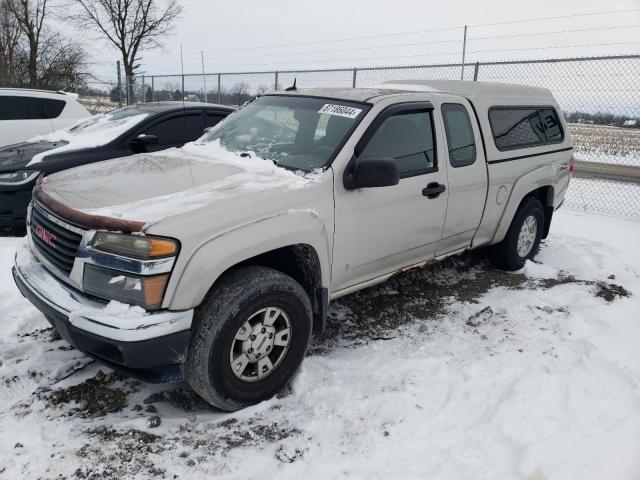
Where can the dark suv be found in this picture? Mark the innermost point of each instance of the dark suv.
(126, 131)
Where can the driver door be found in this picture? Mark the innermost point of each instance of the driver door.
(381, 230)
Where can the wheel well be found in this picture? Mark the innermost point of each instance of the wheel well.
(545, 195)
(300, 262)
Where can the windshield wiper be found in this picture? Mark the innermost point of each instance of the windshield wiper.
(276, 163)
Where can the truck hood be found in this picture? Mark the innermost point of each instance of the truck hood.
(17, 156)
(143, 189)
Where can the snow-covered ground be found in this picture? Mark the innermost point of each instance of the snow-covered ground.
(460, 371)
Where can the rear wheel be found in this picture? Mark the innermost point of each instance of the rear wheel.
(522, 241)
(248, 337)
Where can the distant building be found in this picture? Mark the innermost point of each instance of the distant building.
(631, 123)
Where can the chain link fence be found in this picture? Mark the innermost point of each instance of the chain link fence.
(599, 96)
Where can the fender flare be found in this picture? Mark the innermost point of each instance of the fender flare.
(541, 177)
(210, 259)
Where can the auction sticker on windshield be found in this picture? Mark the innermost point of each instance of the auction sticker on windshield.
(340, 110)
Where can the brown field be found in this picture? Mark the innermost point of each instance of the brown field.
(601, 143)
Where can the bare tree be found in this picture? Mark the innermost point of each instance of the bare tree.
(10, 51)
(239, 92)
(130, 25)
(40, 57)
(30, 15)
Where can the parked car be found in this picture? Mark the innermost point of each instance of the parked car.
(226, 252)
(25, 113)
(147, 127)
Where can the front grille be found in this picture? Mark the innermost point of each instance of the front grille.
(57, 243)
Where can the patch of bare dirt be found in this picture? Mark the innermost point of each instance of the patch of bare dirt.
(116, 453)
(95, 397)
(376, 313)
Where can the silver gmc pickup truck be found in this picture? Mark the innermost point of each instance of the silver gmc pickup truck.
(215, 262)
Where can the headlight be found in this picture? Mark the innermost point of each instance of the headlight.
(134, 246)
(125, 287)
(20, 177)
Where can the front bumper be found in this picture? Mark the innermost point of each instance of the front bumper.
(145, 345)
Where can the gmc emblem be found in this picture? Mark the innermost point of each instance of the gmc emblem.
(46, 236)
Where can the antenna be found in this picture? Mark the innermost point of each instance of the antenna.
(292, 87)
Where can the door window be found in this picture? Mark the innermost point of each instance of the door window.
(29, 108)
(212, 119)
(407, 138)
(460, 139)
(14, 108)
(177, 130)
(50, 107)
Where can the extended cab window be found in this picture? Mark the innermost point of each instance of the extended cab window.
(460, 139)
(519, 127)
(407, 138)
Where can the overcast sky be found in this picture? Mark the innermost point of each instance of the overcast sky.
(239, 36)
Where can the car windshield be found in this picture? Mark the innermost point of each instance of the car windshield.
(106, 120)
(299, 133)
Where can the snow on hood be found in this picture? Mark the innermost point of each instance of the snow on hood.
(88, 133)
(149, 187)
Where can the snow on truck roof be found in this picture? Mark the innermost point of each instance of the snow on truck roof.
(457, 87)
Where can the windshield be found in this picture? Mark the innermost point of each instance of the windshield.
(299, 133)
(108, 120)
(93, 132)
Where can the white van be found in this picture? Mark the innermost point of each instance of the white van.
(26, 113)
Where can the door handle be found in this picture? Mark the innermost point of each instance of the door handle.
(433, 190)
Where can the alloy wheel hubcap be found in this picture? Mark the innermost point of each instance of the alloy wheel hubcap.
(527, 236)
(260, 344)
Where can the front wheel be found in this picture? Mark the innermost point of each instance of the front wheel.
(522, 241)
(248, 337)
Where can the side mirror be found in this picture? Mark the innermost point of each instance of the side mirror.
(371, 172)
(145, 139)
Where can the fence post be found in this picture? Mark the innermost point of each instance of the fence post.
(355, 76)
(204, 78)
(182, 87)
(275, 86)
(219, 80)
(119, 86)
(153, 88)
(475, 72)
(144, 91)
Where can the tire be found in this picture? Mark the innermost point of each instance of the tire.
(506, 254)
(247, 294)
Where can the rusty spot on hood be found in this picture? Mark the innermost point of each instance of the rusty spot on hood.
(86, 220)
